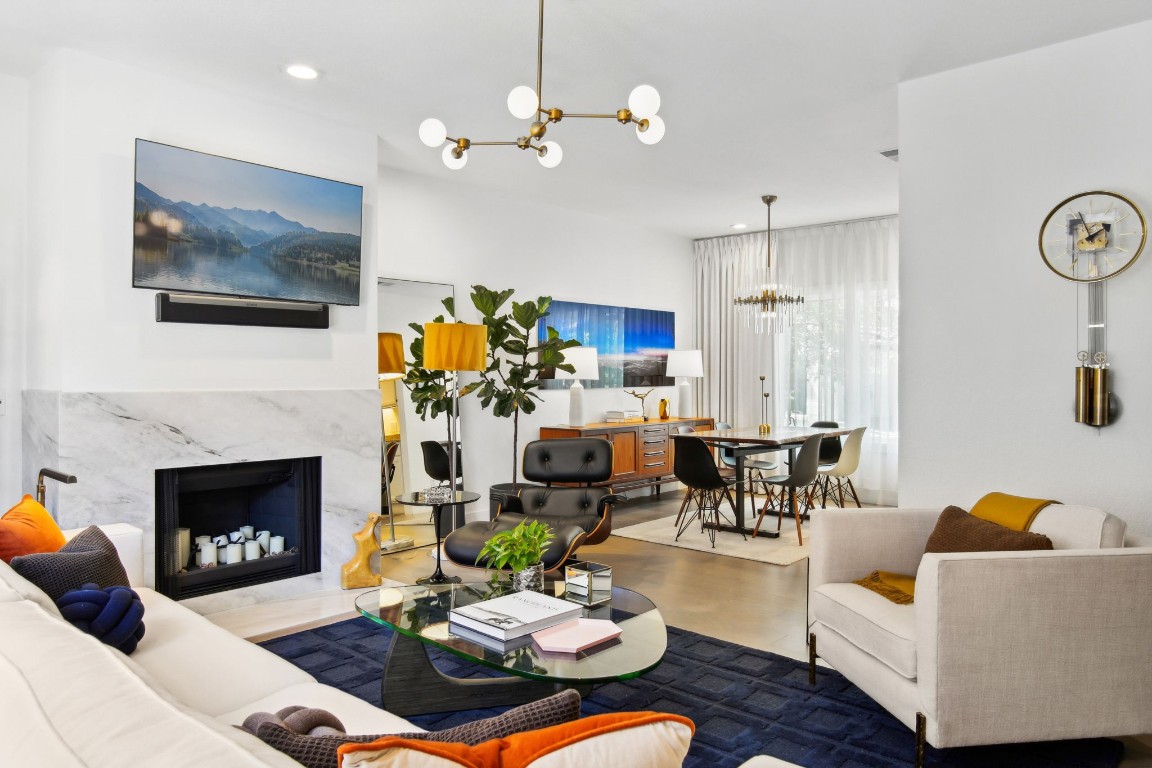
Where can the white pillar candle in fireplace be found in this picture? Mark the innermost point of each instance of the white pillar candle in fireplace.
(277, 545)
(202, 541)
(252, 550)
(221, 541)
(235, 553)
(249, 531)
(207, 554)
(265, 539)
(221, 554)
(236, 537)
(183, 547)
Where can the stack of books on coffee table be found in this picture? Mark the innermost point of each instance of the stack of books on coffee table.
(509, 618)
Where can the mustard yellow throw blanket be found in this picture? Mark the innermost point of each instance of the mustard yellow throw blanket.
(1015, 512)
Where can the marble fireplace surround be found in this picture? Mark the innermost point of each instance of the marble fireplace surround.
(114, 441)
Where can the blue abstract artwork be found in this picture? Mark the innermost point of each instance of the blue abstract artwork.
(632, 344)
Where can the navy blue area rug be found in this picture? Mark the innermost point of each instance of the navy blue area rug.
(744, 702)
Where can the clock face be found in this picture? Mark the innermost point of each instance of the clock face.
(1092, 236)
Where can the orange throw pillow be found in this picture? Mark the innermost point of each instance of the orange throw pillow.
(649, 739)
(28, 529)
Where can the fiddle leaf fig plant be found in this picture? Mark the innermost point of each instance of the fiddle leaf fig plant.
(516, 549)
(510, 381)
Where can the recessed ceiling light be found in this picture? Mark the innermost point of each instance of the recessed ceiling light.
(739, 226)
(302, 72)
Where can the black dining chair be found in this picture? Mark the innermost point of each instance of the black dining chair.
(695, 466)
(794, 485)
(830, 450)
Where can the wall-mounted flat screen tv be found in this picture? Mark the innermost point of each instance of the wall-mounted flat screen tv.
(210, 224)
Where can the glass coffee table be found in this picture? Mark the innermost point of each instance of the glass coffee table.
(411, 685)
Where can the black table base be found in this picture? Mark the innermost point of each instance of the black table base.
(411, 685)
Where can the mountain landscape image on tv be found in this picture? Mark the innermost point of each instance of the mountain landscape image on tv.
(209, 224)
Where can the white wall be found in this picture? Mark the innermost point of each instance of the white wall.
(448, 231)
(87, 113)
(988, 337)
(13, 206)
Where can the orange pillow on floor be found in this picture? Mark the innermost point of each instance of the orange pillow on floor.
(28, 529)
(640, 739)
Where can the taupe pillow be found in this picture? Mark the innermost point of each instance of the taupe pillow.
(319, 751)
(958, 531)
(89, 558)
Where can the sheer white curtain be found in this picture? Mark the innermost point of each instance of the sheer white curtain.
(735, 357)
(839, 360)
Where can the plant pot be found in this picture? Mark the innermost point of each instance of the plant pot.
(531, 579)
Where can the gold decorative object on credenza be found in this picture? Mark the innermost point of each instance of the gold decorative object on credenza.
(1089, 238)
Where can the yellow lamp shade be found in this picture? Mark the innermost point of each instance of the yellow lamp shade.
(389, 353)
(455, 346)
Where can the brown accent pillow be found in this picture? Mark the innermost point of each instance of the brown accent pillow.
(958, 531)
(89, 558)
(319, 751)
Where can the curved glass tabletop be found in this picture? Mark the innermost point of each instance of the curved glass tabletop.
(421, 612)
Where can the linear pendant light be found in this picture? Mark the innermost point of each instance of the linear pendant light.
(769, 306)
(527, 104)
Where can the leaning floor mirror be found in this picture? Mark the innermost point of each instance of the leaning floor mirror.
(402, 469)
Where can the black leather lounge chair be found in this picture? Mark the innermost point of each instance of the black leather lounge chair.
(576, 514)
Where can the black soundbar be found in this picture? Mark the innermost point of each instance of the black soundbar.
(222, 310)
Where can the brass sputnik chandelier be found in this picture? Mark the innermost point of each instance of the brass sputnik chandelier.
(524, 103)
(770, 305)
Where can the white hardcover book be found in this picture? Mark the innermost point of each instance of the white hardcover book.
(489, 642)
(514, 615)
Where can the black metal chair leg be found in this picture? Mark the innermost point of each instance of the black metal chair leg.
(811, 658)
(921, 738)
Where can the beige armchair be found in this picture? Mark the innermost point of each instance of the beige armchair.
(998, 647)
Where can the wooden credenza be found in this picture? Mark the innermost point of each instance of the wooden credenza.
(641, 451)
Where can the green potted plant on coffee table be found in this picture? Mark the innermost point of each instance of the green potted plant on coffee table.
(519, 550)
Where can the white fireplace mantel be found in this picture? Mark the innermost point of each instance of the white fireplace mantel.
(113, 442)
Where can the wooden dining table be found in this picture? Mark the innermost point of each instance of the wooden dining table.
(748, 441)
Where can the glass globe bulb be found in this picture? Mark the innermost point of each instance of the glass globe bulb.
(433, 132)
(654, 133)
(453, 162)
(552, 156)
(644, 101)
(522, 102)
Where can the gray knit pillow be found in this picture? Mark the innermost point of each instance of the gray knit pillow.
(89, 558)
(319, 751)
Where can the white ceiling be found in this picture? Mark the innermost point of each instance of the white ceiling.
(791, 97)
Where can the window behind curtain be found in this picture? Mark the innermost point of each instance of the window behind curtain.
(839, 361)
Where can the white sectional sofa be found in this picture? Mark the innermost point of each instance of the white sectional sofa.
(69, 701)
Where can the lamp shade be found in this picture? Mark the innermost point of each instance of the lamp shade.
(586, 362)
(455, 346)
(389, 354)
(685, 362)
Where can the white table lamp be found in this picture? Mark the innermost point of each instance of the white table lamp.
(687, 363)
(584, 359)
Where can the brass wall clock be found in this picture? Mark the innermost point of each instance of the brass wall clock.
(1092, 236)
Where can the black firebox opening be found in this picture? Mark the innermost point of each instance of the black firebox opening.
(280, 496)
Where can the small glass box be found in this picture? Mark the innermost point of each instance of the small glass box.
(588, 583)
